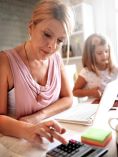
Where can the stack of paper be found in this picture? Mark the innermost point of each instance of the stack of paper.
(97, 137)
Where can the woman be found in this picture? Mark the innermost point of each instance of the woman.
(33, 85)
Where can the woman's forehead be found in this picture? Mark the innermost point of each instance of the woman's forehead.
(52, 25)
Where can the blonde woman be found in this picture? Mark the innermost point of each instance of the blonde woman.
(98, 68)
(33, 84)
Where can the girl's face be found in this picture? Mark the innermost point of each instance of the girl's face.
(46, 37)
(102, 56)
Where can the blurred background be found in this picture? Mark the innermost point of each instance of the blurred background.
(100, 16)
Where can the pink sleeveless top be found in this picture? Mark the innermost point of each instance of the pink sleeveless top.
(26, 88)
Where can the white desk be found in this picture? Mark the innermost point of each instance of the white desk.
(79, 129)
(12, 147)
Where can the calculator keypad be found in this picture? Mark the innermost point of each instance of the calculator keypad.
(76, 149)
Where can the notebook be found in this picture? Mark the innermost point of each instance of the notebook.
(85, 113)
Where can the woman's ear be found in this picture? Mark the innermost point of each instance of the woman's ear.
(30, 30)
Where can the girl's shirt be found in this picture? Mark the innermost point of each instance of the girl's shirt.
(101, 81)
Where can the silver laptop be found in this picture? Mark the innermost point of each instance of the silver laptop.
(107, 100)
(85, 113)
(109, 95)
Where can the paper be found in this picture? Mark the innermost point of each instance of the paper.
(4, 152)
(13, 147)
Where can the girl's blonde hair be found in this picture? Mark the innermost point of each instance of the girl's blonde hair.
(48, 9)
(88, 58)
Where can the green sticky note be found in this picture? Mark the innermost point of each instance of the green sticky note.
(96, 134)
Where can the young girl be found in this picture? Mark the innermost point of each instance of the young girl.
(98, 69)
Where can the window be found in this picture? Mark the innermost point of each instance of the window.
(116, 15)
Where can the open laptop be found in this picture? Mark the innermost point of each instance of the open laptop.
(107, 101)
(85, 113)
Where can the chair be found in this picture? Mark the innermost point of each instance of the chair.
(71, 72)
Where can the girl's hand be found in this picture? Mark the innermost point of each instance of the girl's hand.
(49, 129)
(96, 92)
(96, 101)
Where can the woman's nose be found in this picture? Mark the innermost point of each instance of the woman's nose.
(52, 44)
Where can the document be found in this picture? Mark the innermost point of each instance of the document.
(13, 147)
(4, 152)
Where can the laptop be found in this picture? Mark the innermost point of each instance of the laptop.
(85, 113)
(107, 101)
(109, 95)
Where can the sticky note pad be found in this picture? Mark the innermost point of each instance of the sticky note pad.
(96, 136)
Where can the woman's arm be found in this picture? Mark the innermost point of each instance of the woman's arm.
(80, 91)
(4, 83)
(63, 103)
(7, 125)
(20, 129)
(33, 133)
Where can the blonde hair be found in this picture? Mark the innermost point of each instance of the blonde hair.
(88, 58)
(48, 9)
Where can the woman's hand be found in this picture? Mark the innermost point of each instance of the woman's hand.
(49, 129)
(30, 119)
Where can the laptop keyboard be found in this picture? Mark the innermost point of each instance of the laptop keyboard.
(76, 149)
(83, 112)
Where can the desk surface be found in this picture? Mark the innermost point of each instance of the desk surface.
(12, 147)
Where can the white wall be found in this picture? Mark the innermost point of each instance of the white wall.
(104, 20)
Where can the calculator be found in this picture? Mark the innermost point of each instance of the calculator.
(76, 149)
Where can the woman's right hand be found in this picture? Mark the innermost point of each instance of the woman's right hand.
(48, 129)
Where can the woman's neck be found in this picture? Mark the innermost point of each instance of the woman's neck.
(34, 55)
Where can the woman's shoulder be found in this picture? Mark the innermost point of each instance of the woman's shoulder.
(4, 53)
(3, 57)
(4, 64)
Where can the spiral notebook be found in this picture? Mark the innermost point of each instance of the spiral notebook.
(85, 113)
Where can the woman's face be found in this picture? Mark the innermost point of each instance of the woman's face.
(102, 55)
(47, 36)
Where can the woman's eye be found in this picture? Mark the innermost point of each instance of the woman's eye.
(47, 35)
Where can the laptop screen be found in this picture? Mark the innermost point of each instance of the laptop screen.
(110, 95)
(107, 101)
